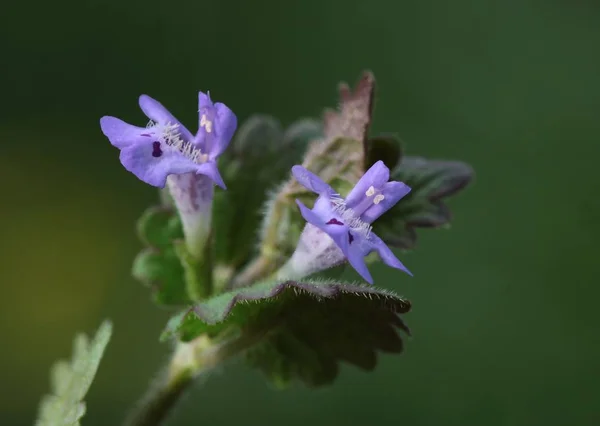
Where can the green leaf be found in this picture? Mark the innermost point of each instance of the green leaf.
(258, 160)
(308, 327)
(431, 181)
(159, 226)
(70, 381)
(159, 265)
(301, 132)
(387, 148)
(162, 271)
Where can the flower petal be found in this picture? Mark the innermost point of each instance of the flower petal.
(203, 138)
(139, 159)
(204, 101)
(217, 124)
(324, 209)
(225, 124)
(386, 255)
(392, 192)
(211, 170)
(339, 233)
(155, 111)
(357, 260)
(310, 216)
(376, 176)
(122, 134)
(311, 181)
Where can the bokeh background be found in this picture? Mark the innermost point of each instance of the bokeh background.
(505, 303)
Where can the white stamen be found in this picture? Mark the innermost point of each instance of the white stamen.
(206, 123)
(372, 196)
(350, 218)
(378, 198)
(170, 135)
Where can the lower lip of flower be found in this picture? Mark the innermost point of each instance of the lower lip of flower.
(350, 218)
(169, 136)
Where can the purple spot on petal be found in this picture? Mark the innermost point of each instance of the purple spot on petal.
(334, 221)
(146, 134)
(156, 151)
(350, 238)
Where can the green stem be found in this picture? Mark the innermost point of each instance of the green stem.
(188, 362)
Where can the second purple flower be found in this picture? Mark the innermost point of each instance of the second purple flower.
(346, 223)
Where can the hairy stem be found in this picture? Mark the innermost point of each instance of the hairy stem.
(259, 268)
(189, 361)
(268, 258)
(269, 244)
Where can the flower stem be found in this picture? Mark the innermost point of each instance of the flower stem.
(189, 361)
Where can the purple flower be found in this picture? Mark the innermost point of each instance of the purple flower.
(348, 221)
(165, 147)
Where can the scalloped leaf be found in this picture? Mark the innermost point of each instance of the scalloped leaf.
(70, 381)
(259, 158)
(431, 181)
(308, 327)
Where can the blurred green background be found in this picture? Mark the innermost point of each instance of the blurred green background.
(505, 305)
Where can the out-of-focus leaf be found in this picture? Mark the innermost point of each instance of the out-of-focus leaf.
(159, 226)
(431, 181)
(386, 148)
(158, 265)
(162, 271)
(70, 381)
(308, 327)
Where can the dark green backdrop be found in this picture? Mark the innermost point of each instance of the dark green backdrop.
(504, 303)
